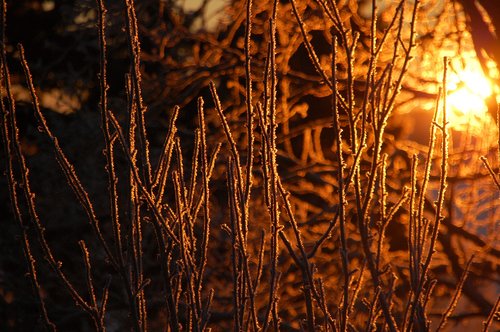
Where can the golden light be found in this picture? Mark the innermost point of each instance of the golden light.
(467, 94)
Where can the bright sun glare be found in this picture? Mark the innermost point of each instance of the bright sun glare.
(467, 94)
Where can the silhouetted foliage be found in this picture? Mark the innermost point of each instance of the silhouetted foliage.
(255, 174)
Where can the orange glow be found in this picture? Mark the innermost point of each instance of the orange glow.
(467, 92)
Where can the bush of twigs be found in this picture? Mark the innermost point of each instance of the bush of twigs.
(279, 195)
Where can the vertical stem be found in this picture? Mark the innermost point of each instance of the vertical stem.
(135, 54)
(341, 190)
(108, 140)
(274, 210)
(438, 217)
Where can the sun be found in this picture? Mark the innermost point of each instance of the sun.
(467, 94)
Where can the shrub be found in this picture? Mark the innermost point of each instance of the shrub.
(281, 194)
